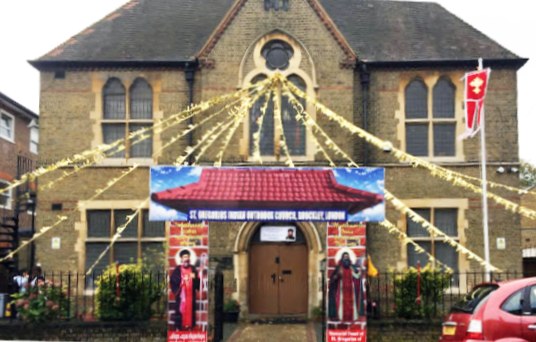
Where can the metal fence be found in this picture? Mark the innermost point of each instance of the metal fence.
(80, 291)
(382, 293)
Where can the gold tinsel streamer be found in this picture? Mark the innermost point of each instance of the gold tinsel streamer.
(205, 142)
(102, 149)
(208, 136)
(93, 156)
(498, 185)
(66, 173)
(300, 117)
(257, 135)
(43, 230)
(118, 233)
(398, 204)
(230, 106)
(309, 121)
(435, 170)
(434, 231)
(192, 127)
(281, 131)
(405, 239)
(214, 137)
(246, 107)
(189, 150)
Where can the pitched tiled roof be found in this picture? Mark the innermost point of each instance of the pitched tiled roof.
(146, 30)
(409, 31)
(267, 189)
(377, 31)
(13, 107)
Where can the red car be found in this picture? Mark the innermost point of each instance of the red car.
(504, 312)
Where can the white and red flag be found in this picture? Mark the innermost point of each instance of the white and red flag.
(476, 84)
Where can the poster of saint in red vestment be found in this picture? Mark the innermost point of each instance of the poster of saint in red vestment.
(346, 283)
(188, 282)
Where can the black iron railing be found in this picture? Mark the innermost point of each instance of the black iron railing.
(79, 293)
(383, 293)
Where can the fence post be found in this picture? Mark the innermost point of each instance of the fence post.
(69, 299)
(324, 301)
(218, 305)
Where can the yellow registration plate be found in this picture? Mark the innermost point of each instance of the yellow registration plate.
(449, 330)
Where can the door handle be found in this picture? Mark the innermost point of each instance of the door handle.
(532, 326)
(281, 279)
(273, 278)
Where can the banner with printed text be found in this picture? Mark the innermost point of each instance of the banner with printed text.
(188, 282)
(188, 193)
(346, 283)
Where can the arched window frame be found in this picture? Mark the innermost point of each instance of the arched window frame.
(292, 69)
(440, 131)
(119, 124)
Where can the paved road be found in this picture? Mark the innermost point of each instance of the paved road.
(273, 332)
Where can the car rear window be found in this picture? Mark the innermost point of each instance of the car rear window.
(472, 299)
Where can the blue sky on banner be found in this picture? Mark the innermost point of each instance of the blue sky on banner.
(170, 177)
(368, 179)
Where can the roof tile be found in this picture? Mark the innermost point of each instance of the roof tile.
(377, 30)
(246, 188)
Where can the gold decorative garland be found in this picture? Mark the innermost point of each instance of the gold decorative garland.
(405, 239)
(118, 234)
(453, 177)
(44, 230)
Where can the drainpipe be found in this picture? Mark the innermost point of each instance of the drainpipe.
(364, 76)
(189, 75)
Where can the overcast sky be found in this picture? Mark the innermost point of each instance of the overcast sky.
(31, 28)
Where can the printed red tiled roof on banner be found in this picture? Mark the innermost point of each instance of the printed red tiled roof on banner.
(267, 189)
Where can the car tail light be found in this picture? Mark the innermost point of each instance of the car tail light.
(474, 331)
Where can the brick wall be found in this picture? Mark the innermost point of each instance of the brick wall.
(77, 331)
(378, 331)
(400, 330)
(69, 122)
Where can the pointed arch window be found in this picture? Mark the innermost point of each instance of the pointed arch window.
(293, 129)
(430, 118)
(124, 113)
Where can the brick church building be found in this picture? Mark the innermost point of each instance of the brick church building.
(393, 68)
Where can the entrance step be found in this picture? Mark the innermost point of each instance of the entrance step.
(260, 332)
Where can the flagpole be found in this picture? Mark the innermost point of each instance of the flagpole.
(484, 187)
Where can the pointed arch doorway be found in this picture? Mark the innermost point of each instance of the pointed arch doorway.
(278, 273)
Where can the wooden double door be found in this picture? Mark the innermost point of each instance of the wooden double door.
(278, 283)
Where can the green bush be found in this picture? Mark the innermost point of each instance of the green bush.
(134, 299)
(41, 303)
(433, 285)
(231, 305)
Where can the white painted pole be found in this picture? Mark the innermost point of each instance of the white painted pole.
(484, 188)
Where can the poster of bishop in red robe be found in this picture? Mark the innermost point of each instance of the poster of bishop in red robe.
(346, 284)
(188, 282)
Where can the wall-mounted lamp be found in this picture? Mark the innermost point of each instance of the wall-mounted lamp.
(501, 170)
(513, 169)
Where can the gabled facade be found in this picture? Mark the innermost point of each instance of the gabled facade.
(392, 68)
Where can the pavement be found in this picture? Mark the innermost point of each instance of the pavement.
(260, 332)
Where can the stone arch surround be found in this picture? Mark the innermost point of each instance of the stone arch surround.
(241, 263)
